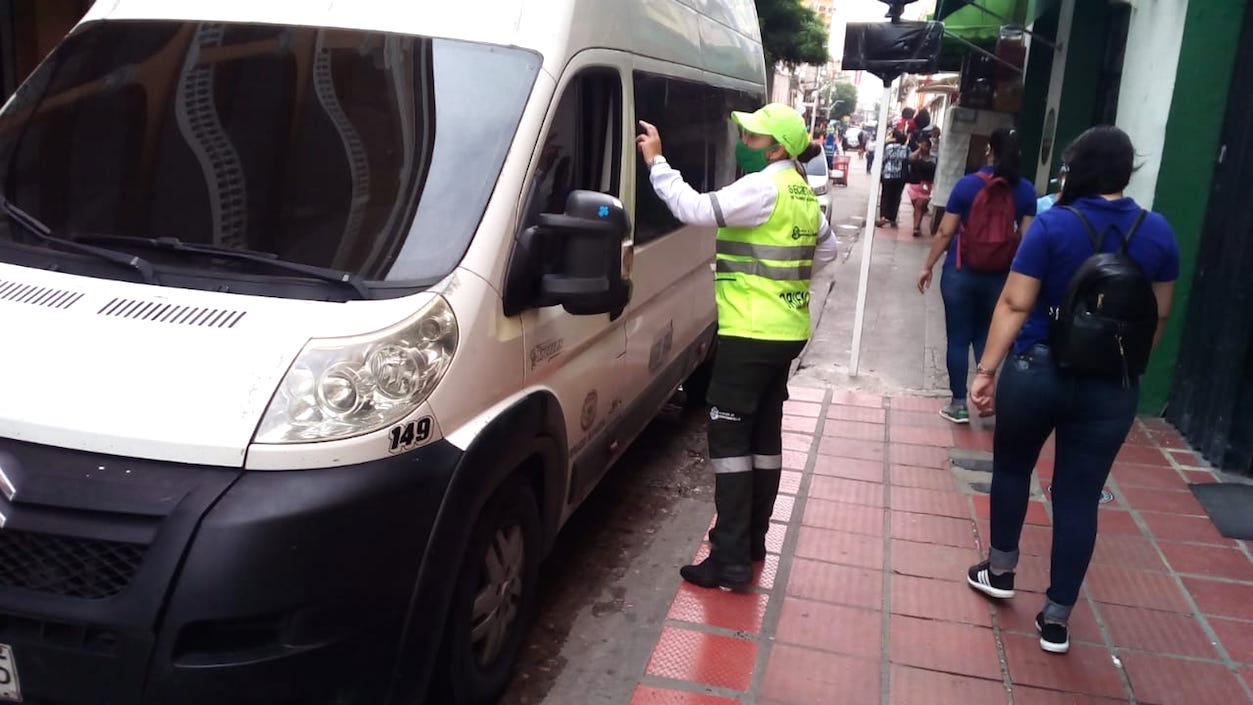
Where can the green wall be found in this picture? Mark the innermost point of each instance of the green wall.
(1210, 35)
(1089, 33)
(1036, 92)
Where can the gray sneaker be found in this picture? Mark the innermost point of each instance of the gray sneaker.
(956, 413)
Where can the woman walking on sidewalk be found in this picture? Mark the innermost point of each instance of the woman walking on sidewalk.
(771, 235)
(1092, 412)
(922, 172)
(895, 153)
(990, 208)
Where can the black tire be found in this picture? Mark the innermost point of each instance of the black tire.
(476, 672)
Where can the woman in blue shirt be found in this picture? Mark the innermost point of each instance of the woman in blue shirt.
(970, 296)
(1091, 415)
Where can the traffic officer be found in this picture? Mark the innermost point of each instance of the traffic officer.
(771, 234)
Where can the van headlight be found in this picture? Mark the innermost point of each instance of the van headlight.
(341, 387)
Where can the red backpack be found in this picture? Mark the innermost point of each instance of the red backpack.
(988, 240)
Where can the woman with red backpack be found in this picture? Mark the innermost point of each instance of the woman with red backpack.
(987, 211)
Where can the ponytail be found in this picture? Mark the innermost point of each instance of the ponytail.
(1006, 155)
(810, 151)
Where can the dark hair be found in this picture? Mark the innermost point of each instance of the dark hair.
(1099, 161)
(924, 139)
(923, 119)
(900, 136)
(907, 113)
(1006, 155)
(810, 151)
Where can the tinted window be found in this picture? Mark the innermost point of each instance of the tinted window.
(582, 149)
(698, 139)
(368, 152)
(817, 166)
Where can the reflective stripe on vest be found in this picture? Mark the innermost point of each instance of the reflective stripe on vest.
(762, 273)
(760, 269)
(746, 249)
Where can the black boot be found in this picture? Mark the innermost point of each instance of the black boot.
(728, 564)
(711, 573)
(765, 490)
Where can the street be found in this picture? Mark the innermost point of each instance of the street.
(601, 599)
(883, 505)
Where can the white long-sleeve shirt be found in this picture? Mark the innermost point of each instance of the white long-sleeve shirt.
(746, 203)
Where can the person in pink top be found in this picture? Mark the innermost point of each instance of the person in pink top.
(921, 162)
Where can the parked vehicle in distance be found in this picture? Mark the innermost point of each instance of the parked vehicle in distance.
(819, 178)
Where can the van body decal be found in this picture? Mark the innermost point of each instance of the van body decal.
(545, 351)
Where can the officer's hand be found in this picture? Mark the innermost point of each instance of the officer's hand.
(924, 281)
(649, 142)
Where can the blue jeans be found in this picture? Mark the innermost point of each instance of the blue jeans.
(969, 299)
(1091, 416)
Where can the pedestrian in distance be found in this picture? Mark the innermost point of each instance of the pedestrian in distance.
(892, 178)
(922, 172)
(1085, 303)
(1049, 200)
(922, 126)
(771, 236)
(906, 122)
(984, 218)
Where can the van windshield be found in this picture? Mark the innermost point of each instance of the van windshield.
(363, 152)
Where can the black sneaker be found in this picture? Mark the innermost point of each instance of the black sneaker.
(980, 578)
(712, 574)
(1054, 637)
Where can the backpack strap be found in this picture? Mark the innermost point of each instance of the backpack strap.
(1092, 236)
(1126, 241)
(1096, 239)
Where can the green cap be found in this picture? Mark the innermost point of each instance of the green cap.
(779, 121)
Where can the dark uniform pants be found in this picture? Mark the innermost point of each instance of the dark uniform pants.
(746, 396)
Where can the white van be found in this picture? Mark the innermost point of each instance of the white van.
(320, 318)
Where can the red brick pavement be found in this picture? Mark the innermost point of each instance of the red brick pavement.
(863, 599)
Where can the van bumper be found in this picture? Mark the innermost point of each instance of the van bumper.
(282, 588)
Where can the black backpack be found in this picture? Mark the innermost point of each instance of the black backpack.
(1108, 316)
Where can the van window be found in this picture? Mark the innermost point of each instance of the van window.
(697, 136)
(367, 152)
(583, 147)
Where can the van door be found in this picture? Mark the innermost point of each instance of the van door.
(575, 356)
(672, 301)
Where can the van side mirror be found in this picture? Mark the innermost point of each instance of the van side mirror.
(573, 259)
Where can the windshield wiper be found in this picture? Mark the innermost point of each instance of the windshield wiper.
(173, 244)
(43, 233)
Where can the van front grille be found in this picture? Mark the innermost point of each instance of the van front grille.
(90, 569)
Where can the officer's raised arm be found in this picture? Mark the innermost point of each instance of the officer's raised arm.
(746, 203)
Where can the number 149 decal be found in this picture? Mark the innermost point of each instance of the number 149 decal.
(410, 435)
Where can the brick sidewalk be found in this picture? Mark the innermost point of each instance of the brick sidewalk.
(863, 599)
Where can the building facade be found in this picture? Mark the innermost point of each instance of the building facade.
(1174, 74)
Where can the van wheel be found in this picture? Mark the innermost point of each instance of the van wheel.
(494, 599)
(696, 386)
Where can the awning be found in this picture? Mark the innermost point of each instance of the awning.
(980, 21)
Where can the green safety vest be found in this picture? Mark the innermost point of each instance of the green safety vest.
(762, 274)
